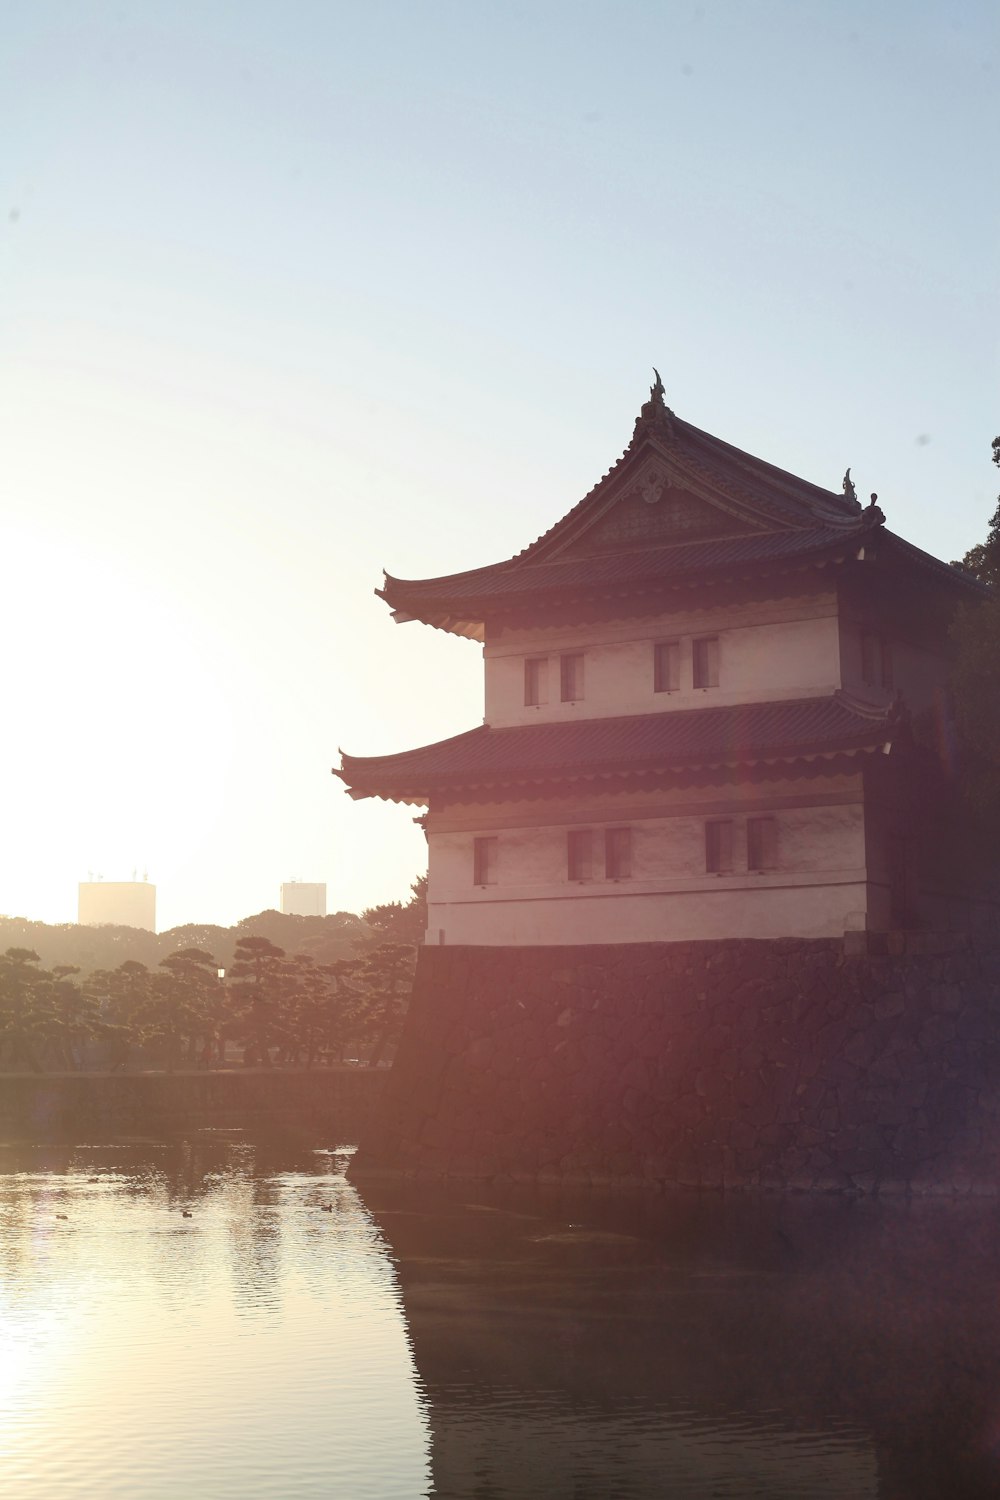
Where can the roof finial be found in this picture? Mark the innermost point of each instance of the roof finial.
(655, 412)
(849, 490)
(873, 512)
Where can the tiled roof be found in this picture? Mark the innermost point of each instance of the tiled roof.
(461, 601)
(672, 740)
(763, 520)
(904, 553)
(758, 515)
(757, 487)
(689, 561)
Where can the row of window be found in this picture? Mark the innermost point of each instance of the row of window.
(876, 668)
(666, 671)
(536, 679)
(762, 846)
(606, 854)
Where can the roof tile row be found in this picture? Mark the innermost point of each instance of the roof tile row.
(506, 582)
(660, 742)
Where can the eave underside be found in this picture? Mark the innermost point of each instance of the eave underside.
(630, 583)
(722, 773)
(553, 759)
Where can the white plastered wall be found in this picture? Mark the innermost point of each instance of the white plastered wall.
(817, 889)
(787, 648)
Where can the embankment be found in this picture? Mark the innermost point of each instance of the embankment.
(314, 1106)
(773, 1064)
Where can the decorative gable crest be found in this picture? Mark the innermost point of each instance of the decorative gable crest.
(674, 484)
(652, 485)
(656, 509)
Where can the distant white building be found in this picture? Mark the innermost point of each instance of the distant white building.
(303, 898)
(117, 903)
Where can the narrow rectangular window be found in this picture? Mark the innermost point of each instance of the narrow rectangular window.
(580, 854)
(719, 848)
(617, 853)
(484, 861)
(762, 844)
(899, 857)
(706, 662)
(666, 666)
(536, 681)
(571, 677)
(869, 658)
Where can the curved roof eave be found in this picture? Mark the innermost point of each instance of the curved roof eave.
(664, 743)
(552, 783)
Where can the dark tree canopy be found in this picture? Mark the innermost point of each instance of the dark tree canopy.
(92, 948)
(398, 921)
(975, 632)
(200, 996)
(983, 560)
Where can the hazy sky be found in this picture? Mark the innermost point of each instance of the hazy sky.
(291, 292)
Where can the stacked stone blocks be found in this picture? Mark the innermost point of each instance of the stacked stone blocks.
(787, 1064)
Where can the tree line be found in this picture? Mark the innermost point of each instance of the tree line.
(105, 947)
(976, 693)
(269, 1007)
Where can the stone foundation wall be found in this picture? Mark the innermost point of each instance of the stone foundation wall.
(784, 1064)
(91, 1107)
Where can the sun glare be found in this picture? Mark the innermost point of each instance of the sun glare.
(115, 714)
(33, 1354)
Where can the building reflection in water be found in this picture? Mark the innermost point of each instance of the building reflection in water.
(295, 1336)
(574, 1347)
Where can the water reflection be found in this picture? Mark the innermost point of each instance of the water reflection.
(226, 1319)
(255, 1348)
(570, 1347)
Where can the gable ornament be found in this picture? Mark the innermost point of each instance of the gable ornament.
(652, 486)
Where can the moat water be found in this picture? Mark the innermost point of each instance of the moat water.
(223, 1319)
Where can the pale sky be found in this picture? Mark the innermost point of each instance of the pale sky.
(291, 292)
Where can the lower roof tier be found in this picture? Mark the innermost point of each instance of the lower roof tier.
(486, 760)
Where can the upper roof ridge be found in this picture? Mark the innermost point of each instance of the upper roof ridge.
(777, 496)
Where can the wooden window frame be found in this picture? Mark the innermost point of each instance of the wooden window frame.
(485, 858)
(762, 844)
(705, 661)
(876, 659)
(719, 857)
(536, 681)
(580, 855)
(618, 853)
(666, 666)
(571, 676)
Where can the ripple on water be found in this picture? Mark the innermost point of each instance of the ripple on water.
(509, 1346)
(143, 1354)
